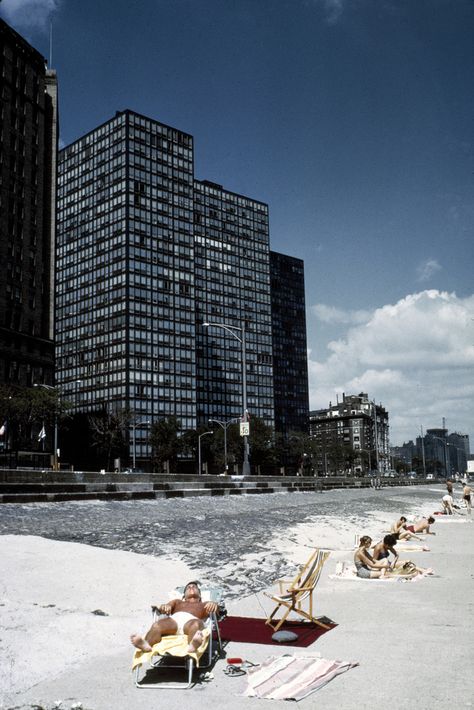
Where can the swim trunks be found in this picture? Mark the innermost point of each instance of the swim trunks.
(363, 572)
(410, 528)
(181, 618)
(468, 498)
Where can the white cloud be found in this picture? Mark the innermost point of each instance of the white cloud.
(32, 14)
(427, 269)
(416, 357)
(331, 314)
(333, 9)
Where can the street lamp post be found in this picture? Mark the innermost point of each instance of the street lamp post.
(225, 425)
(376, 437)
(56, 389)
(199, 449)
(423, 451)
(233, 330)
(367, 451)
(134, 443)
(55, 443)
(443, 441)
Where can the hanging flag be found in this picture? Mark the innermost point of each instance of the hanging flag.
(3, 429)
(42, 434)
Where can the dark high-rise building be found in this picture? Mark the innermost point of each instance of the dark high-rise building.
(28, 154)
(146, 257)
(290, 362)
(232, 286)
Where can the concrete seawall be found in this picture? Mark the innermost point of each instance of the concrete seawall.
(27, 486)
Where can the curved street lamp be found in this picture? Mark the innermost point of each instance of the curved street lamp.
(55, 444)
(134, 425)
(58, 391)
(443, 441)
(225, 426)
(199, 449)
(233, 330)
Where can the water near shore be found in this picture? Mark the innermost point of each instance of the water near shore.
(239, 543)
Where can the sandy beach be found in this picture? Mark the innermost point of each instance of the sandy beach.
(77, 579)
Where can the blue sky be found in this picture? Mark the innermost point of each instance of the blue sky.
(353, 120)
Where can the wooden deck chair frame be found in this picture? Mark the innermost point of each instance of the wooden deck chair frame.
(293, 594)
(210, 655)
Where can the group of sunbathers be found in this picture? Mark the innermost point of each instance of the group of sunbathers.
(377, 564)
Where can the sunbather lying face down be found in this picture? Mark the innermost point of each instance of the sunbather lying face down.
(184, 615)
(422, 526)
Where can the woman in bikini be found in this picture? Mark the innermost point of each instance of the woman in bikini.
(366, 566)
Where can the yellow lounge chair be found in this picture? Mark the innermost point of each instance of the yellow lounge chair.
(295, 593)
(172, 651)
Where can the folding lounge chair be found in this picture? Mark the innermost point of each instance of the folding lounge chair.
(294, 593)
(172, 652)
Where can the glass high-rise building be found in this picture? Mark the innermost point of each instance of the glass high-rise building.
(146, 256)
(290, 359)
(232, 286)
(28, 156)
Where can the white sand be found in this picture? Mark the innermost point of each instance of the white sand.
(49, 590)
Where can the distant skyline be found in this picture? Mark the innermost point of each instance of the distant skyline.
(353, 120)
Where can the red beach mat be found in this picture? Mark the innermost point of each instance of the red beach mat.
(245, 629)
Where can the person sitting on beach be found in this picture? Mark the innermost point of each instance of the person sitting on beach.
(400, 528)
(422, 526)
(449, 487)
(384, 548)
(366, 566)
(184, 616)
(466, 494)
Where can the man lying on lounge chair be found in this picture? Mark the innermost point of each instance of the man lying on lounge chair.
(184, 616)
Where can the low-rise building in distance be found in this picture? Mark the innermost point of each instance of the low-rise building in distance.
(350, 436)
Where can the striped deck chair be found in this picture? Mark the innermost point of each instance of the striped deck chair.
(293, 594)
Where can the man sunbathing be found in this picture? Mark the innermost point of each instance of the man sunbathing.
(184, 616)
(422, 526)
(400, 528)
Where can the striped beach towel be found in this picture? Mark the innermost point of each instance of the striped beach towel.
(291, 677)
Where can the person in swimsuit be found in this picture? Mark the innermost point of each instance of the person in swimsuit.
(384, 548)
(183, 616)
(366, 566)
(400, 528)
(447, 503)
(466, 494)
(422, 526)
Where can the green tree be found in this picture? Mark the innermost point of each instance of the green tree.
(109, 435)
(165, 442)
(26, 409)
(262, 450)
